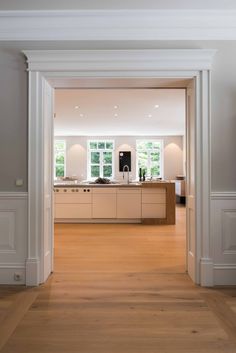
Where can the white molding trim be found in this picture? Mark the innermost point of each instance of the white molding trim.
(206, 272)
(119, 60)
(223, 216)
(13, 232)
(225, 266)
(14, 195)
(85, 25)
(223, 195)
(49, 65)
(32, 272)
(12, 265)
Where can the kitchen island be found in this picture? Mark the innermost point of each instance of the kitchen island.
(146, 202)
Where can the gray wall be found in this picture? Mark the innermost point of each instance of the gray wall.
(13, 103)
(13, 120)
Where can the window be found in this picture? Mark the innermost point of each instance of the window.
(59, 158)
(100, 159)
(149, 157)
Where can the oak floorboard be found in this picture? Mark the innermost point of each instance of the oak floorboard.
(123, 289)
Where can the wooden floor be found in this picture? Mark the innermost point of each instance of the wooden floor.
(118, 289)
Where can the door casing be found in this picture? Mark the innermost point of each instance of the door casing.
(107, 68)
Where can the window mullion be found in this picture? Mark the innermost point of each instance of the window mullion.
(149, 162)
(101, 163)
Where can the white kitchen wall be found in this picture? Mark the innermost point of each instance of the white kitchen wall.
(76, 154)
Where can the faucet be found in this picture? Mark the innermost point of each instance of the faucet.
(126, 167)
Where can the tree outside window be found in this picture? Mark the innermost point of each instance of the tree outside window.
(149, 157)
(101, 159)
(59, 158)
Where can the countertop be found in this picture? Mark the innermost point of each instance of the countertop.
(118, 185)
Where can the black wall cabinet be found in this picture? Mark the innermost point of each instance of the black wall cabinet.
(124, 159)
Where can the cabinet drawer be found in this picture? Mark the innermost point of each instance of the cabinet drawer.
(85, 197)
(153, 191)
(153, 211)
(129, 205)
(101, 190)
(128, 190)
(73, 211)
(153, 198)
(104, 205)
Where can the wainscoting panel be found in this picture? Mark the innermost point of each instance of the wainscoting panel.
(13, 237)
(223, 232)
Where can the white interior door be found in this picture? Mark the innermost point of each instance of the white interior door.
(190, 179)
(47, 260)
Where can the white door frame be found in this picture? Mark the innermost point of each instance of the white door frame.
(55, 66)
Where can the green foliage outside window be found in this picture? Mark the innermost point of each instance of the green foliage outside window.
(101, 159)
(149, 157)
(59, 158)
(60, 171)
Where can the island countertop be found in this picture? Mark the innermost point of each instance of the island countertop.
(153, 184)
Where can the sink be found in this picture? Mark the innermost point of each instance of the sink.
(130, 183)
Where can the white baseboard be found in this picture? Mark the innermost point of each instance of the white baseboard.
(8, 272)
(224, 274)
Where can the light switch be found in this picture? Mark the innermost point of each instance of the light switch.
(19, 182)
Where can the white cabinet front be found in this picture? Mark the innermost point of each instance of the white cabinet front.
(128, 203)
(70, 211)
(73, 203)
(153, 210)
(153, 203)
(104, 203)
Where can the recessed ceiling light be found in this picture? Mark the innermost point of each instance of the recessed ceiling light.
(76, 107)
(149, 116)
(115, 106)
(81, 115)
(115, 115)
(156, 106)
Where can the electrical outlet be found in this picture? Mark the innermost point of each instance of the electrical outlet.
(19, 182)
(17, 276)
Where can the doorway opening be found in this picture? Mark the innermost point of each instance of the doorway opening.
(94, 129)
(49, 70)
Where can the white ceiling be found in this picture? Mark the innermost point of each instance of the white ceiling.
(86, 112)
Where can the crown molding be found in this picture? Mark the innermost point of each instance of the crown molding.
(119, 60)
(85, 25)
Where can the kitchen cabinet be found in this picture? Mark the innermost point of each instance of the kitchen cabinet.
(154, 203)
(73, 203)
(104, 202)
(129, 203)
(73, 211)
(146, 203)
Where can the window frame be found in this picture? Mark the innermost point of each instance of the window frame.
(161, 142)
(101, 164)
(54, 160)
